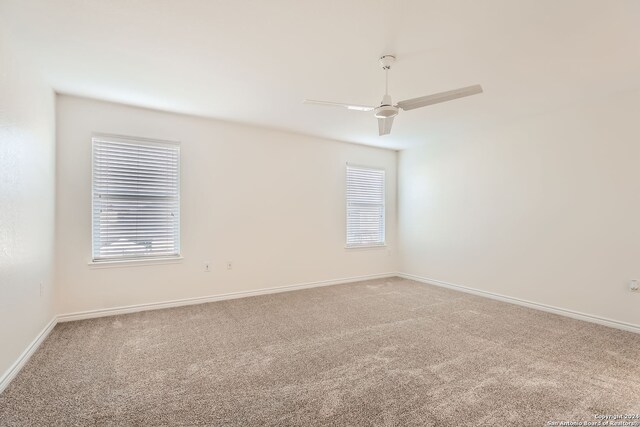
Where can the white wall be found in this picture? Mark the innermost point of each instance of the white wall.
(271, 202)
(26, 204)
(545, 209)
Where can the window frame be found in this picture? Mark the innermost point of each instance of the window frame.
(139, 259)
(382, 243)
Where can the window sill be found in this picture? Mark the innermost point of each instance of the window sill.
(382, 245)
(135, 262)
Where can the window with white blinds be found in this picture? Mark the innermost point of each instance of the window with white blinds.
(136, 199)
(365, 206)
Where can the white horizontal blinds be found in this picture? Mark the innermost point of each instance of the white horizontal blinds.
(136, 199)
(365, 206)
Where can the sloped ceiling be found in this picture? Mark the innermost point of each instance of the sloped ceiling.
(254, 61)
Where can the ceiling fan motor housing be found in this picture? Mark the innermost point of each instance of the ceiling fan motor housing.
(386, 109)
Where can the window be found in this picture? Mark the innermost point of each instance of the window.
(365, 206)
(136, 199)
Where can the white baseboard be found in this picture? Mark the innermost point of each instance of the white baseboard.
(13, 370)
(90, 314)
(538, 306)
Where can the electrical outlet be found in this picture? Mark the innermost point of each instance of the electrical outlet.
(229, 265)
(634, 286)
(207, 267)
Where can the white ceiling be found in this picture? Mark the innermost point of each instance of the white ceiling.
(254, 61)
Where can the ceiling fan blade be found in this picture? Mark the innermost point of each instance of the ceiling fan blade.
(384, 126)
(437, 98)
(355, 107)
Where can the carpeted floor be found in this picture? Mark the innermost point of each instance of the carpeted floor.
(387, 352)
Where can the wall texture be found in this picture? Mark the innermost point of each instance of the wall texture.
(26, 204)
(271, 202)
(543, 209)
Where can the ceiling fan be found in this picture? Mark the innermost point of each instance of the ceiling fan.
(386, 111)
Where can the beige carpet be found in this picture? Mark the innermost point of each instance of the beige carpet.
(388, 352)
